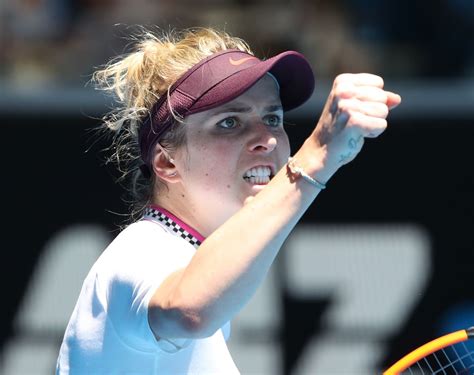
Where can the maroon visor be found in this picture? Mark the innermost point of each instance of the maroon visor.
(219, 79)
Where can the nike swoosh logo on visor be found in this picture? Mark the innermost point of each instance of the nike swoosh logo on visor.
(240, 61)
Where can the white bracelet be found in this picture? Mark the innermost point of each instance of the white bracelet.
(298, 171)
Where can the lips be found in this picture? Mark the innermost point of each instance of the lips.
(258, 175)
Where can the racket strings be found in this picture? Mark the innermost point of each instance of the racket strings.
(456, 359)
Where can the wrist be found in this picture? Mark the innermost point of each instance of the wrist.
(313, 159)
(295, 171)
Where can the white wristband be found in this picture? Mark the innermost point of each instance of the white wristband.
(298, 171)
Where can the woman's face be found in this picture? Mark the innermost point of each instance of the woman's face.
(231, 153)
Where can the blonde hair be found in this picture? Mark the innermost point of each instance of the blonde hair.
(137, 80)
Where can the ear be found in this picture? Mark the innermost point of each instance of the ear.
(163, 166)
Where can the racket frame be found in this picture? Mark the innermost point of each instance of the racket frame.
(429, 348)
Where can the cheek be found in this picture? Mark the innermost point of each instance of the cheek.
(214, 160)
(219, 153)
(284, 149)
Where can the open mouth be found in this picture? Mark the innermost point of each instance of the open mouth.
(260, 175)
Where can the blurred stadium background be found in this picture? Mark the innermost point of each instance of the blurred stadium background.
(383, 260)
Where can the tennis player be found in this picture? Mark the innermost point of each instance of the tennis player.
(199, 127)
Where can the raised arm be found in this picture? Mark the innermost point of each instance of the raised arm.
(230, 265)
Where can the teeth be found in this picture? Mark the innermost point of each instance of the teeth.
(258, 172)
(258, 175)
(258, 180)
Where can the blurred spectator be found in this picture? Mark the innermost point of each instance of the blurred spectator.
(421, 38)
(47, 43)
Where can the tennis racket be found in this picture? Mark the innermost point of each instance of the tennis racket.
(448, 354)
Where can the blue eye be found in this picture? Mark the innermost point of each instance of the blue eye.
(228, 123)
(273, 120)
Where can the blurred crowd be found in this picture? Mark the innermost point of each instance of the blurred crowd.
(46, 43)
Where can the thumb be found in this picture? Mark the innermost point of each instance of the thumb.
(393, 100)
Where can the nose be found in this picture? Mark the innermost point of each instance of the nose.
(262, 139)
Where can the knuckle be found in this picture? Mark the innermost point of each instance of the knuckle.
(343, 90)
(355, 119)
(381, 109)
(383, 97)
(377, 94)
(379, 128)
(380, 80)
(340, 78)
(377, 80)
(343, 105)
(344, 79)
(371, 93)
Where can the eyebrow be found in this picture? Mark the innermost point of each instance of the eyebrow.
(224, 109)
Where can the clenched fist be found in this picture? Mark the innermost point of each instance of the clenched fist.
(357, 107)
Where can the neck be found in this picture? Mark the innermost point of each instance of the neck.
(203, 214)
(184, 211)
